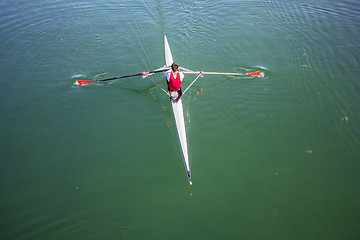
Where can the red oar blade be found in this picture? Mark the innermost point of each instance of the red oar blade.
(258, 73)
(254, 73)
(82, 82)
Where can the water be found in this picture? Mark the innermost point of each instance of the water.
(271, 158)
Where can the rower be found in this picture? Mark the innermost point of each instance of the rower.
(174, 79)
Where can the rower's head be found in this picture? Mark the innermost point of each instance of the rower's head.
(175, 67)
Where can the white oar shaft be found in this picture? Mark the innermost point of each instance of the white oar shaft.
(216, 73)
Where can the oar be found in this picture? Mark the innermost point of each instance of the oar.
(258, 73)
(83, 82)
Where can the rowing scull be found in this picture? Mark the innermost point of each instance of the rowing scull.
(178, 112)
(176, 105)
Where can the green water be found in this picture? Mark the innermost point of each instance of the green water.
(271, 158)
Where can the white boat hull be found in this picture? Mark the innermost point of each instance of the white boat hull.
(178, 112)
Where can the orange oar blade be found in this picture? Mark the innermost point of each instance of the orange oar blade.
(258, 73)
(254, 73)
(82, 82)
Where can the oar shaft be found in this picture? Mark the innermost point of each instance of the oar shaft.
(224, 73)
(83, 82)
(215, 73)
(131, 75)
(113, 78)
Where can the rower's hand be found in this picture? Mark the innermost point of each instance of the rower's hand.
(144, 74)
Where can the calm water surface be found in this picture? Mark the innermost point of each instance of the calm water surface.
(272, 158)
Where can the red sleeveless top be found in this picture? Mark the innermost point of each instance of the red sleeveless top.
(175, 82)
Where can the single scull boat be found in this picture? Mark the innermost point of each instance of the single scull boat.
(176, 102)
(178, 112)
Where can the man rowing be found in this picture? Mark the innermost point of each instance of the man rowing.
(174, 79)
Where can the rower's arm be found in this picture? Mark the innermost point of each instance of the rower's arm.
(181, 76)
(167, 75)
